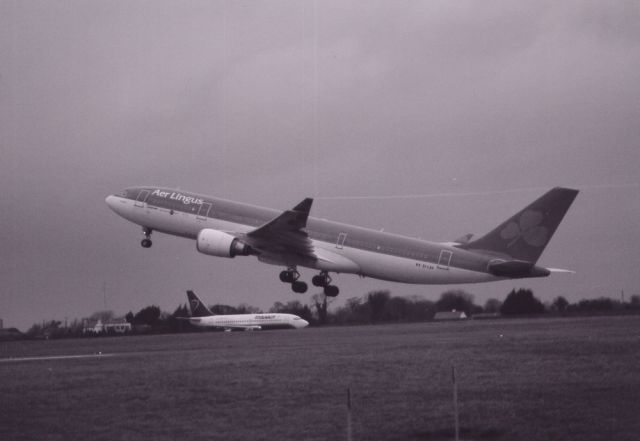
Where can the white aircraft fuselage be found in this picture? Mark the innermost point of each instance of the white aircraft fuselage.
(292, 239)
(250, 321)
(203, 317)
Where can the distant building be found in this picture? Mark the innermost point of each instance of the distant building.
(11, 334)
(117, 326)
(93, 327)
(450, 315)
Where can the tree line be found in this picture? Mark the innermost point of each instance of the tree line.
(372, 308)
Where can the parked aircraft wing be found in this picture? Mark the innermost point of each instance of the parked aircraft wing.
(285, 235)
(243, 328)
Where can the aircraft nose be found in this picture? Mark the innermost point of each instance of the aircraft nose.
(304, 323)
(110, 200)
(115, 203)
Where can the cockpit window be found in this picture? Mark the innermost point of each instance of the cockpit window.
(138, 194)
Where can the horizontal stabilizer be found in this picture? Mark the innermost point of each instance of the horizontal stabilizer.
(516, 269)
(464, 239)
(560, 270)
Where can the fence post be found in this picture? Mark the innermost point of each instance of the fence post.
(455, 403)
(349, 433)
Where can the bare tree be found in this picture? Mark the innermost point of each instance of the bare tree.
(321, 303)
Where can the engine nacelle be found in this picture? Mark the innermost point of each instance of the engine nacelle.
(220, 244)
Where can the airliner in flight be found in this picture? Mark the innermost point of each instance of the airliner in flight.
(293, 239)
(202, 316)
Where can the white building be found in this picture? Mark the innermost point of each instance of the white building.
(450, 315)
(118, 326)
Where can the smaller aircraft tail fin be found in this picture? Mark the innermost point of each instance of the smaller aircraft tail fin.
(525, 235)
(198, 309)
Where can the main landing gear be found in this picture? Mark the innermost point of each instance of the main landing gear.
(146, 242)
(323, 280)
(291, 275)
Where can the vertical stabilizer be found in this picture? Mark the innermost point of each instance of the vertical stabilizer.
(198, 309)
(525, 235)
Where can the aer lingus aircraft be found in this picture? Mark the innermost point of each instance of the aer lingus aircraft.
(293, 239)
(203, 317)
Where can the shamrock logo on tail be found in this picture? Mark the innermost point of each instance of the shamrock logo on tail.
(527, 228)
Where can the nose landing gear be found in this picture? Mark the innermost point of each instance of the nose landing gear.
(146, 242)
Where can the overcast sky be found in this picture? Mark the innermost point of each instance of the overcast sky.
(268, 102)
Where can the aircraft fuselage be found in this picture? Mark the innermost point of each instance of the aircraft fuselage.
(292, 238)
(250, 321)
(345, 248)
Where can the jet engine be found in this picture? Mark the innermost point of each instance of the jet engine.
(218, 243)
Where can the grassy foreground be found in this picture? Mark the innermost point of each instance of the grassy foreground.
(544, 379)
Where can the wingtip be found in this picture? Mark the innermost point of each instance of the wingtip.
(574, 191)
(304, 206)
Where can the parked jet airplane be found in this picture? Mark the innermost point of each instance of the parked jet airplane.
(202, 316)
(292, 239)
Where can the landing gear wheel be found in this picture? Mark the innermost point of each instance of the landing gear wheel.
(321, 279)
(299, 287)
(146, 243)
(331, 291)
(289, 276)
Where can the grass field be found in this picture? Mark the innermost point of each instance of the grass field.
(544, 379)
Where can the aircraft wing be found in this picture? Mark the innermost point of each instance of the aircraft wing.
(227, 327)
(284, 235)
(243, 328)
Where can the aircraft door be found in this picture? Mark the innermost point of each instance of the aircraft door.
(142, 198)
(203, 211)
(445, 259)
(341, 238)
